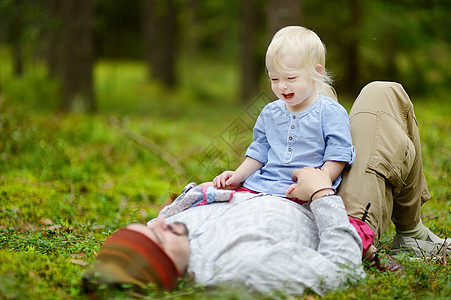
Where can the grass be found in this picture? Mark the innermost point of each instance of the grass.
(68, 181)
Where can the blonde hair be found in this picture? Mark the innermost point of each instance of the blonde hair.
(303, 43)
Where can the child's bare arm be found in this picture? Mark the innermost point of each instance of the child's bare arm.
(233, 179)
(333, 168)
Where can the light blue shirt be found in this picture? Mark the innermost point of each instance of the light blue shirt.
(284, 141)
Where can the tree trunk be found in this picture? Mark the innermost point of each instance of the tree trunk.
(76, 68)
(249, 76)
(52, 36)
(352, 74)
(16, 34)
(193, 34)
(159, 22)
(17, 58)
(281, 13)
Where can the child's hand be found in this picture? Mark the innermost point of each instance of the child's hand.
(290, 189)
(227, 180)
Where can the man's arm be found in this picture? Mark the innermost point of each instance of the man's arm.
(339, 243)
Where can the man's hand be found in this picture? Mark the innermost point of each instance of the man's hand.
(309, 180)
(228, 180)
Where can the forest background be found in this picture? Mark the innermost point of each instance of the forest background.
(108, 108)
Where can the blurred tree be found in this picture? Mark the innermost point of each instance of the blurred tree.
(219, 29)
(16, 31)
(335, 26)
(249, 71)
(281, 13)
(193, 23)
(16, 19)
(52, 36)
(117, 29)
(160, 27)
(77, 54)
(351, 46)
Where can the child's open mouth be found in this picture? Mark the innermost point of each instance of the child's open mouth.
(288, 96)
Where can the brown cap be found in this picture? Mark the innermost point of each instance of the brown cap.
(128, 256)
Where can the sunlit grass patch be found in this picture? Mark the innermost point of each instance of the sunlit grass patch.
(31, 275)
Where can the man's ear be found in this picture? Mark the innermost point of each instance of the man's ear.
(319, 68)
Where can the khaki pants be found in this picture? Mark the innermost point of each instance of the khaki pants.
(388, 171)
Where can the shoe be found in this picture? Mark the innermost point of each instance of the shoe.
(185, 190)
(384, 262)
(432, 246)
(178, 204)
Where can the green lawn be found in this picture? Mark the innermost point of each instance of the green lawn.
(68, 181)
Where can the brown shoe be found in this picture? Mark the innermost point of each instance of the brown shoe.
(384, 262)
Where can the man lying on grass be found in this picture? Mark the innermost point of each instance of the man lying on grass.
(267, 243)
(273, 245)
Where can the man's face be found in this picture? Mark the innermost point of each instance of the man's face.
(172, 238)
